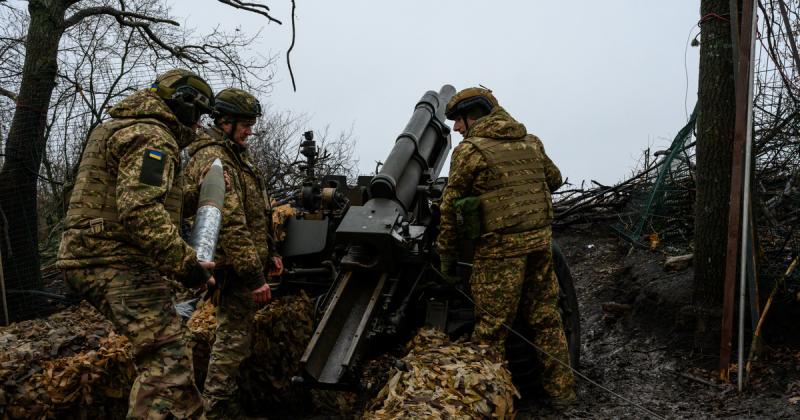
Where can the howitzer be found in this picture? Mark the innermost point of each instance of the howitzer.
(375, 242)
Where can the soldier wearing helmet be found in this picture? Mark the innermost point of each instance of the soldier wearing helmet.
(243, 253)
(507, 171)
(122, 235)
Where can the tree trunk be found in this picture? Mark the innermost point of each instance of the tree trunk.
(715, 128)
(25, 147)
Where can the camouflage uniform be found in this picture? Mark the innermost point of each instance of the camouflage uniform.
(513, 266)
(121, 236)
(240, 259)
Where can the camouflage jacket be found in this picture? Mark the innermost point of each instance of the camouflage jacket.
(470, 175)
(124, 208)
(243, 243)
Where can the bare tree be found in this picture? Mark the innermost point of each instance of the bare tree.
(71, 60)
(715, 123)
(275, 147)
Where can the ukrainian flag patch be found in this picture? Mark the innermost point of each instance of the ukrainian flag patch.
(155, 154)
(152, 168)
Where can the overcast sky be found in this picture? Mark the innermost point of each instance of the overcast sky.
(597, 81)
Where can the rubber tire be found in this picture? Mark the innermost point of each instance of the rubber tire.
(568, 305)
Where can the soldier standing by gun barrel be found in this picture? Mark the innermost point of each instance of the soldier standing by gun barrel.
(506, 174)
(243, 251)
(122, 235)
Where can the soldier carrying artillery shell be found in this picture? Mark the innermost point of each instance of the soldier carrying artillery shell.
(244, 255)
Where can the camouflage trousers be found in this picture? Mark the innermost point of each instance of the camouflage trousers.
(140, 305)
(231, 347)
(528, 284)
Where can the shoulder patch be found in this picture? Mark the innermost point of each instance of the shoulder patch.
(152, 168)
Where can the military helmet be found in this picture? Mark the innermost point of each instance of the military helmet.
(236, 103)
(470, 98)
(186, 84)
(186, 94)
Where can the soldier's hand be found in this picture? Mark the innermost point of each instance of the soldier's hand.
(199, 276)
(262, 294)
(211, 282)
(447, 268)
(277, 267)
(224, 175)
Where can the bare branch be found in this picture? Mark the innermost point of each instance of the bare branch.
(177, 52)
(251, 7)
(288, 60)
(8, 94)
(110, 11)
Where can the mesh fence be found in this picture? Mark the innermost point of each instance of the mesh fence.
(660, 211)
(663, 210)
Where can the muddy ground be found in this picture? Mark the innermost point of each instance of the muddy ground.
(637, 342)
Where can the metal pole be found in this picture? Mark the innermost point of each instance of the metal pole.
(746, 199)
(742, 96)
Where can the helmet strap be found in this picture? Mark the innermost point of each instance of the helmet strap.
(231, 131)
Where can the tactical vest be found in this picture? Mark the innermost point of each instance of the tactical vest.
(93, 204)
(517, 198)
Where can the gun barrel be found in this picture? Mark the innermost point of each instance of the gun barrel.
(422, 146)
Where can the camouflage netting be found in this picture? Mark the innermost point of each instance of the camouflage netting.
(282, 330)
(201, 326)
(69, 365)
(442, 379)
(73, 365)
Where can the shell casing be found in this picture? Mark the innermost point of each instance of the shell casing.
(205, 233)
(208, 222)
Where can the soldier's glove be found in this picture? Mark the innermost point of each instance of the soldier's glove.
(198, 277)
(447, 267)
